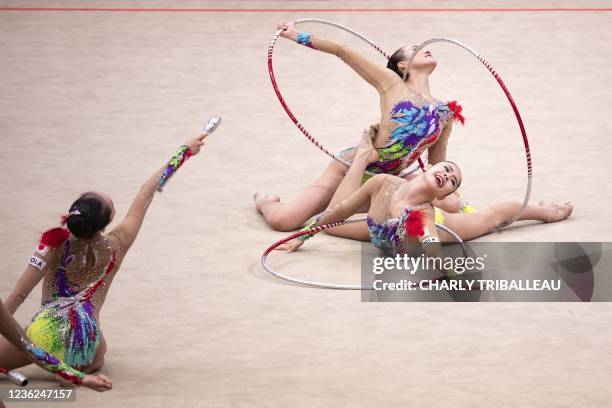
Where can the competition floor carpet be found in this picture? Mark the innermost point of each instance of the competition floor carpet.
(96, 95)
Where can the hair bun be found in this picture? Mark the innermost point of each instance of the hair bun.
(88, 215)
(79, 226)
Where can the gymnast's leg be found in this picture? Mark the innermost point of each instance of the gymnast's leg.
(98, 361)
(470, 226)
(311, 201)
(11, 358)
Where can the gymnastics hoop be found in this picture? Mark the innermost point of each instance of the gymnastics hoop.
(512, 104)
(380, 50)
(317, 229)
(339, 159)
(293, 118)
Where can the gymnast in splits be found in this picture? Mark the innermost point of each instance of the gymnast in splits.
(10, 330)
(401, 214)
(77, 266)
(412, 122)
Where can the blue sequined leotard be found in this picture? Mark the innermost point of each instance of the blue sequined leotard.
(417, 128)
(409, 128)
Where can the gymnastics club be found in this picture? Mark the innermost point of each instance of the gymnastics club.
(15, 377)
(212, 124)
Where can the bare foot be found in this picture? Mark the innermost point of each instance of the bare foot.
(260, 200)
(558, 212)
(365, 149)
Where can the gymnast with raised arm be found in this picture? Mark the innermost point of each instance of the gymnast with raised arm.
(412, 121)
(401, 213)
(77, 265)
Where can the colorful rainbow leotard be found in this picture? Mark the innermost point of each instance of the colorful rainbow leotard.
(395, 234)
(66, 325)
(408, 127)
(390, 235)
(418, 127)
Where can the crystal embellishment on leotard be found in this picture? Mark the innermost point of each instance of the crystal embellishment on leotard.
(388, 235)
(63, 288)
(54, 365)
(418, 127)
(414, 122)
(66, 326)
(383, 236)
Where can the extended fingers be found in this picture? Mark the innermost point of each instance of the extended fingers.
(105, 380)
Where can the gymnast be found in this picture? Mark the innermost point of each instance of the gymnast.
(412, 121)
(10, 329)
(401, 214)
(77, 266)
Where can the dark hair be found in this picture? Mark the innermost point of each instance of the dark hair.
(93, 215)
(397, 57)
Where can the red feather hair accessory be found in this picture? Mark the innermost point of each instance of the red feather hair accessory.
(456, 109)
(414, 224)
(53, 237)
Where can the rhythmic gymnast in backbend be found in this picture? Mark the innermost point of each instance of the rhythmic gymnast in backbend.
(77, 266)
(10, 330)
(412, 121)
(401, 214)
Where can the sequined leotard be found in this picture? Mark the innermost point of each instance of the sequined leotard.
(401, 234)
(418, 127)
(74, 288)
(389, 233)
(409, 123)
(11, 330)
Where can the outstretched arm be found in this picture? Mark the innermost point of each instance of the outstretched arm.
(376, 75)
(452, 203)
(343, 210)
(354, 203)
(127, 230)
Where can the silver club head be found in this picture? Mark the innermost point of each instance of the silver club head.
(17, 378)
(212, 124)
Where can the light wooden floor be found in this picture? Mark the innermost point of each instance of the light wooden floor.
(99, 100)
